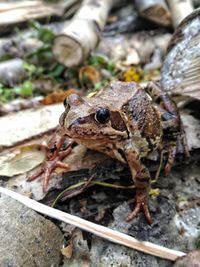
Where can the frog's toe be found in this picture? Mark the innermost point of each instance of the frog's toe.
(141, 203)
(47, 169)
(34, 176)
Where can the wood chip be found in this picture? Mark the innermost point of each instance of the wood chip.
(24, 125)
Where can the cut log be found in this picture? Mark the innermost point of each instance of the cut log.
(12, 72)
(154, 10)
(179, 10)
(78, 38)
(12, 14)
(25, 43)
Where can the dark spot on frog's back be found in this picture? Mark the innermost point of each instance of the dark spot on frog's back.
(144, 115)
(117, 122)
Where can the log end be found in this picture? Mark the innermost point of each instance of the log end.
(158, 14)
(67, 51)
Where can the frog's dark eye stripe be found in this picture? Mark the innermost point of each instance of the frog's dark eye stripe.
(102, 115)
(65, 103)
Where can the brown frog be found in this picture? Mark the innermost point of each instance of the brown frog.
(127, 123)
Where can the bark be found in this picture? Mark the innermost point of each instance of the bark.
(78, 38)
(179, 10)
(181, 67)
(154, 10)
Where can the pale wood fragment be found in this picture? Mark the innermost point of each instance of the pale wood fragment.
(99, 230)
(24, 125)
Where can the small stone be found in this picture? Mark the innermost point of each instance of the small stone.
(27, 238)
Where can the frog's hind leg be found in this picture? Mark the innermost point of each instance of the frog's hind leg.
(142, 180)
(173, 131)
(167, 107)
(141, 200)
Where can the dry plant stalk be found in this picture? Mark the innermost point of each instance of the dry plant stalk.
(99, 230)
(154, 10)
(179, 10)
(79, 37)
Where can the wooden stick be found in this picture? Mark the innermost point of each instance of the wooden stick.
(78, 38)
(179, 10)
(155, 10)
(99, 230)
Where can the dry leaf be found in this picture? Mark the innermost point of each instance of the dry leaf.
(88, 74)
(58, 96)
(24, 159)
(67, 251)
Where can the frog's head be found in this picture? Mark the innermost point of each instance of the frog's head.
(93, 123)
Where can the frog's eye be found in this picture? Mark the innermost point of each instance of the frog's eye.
(65, 103)
(102, 115)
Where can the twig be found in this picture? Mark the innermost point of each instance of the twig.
(96, 229)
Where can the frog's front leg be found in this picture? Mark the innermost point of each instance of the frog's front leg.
(57, 150)
(142, 179)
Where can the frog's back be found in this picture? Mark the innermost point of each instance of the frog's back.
(116, 94)
(144, 118)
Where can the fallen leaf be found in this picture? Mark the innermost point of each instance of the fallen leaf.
(58, 96)
(67, 251)
(88, 74)
(24, 159)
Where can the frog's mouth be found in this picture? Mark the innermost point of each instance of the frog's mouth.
(110, 147)
(93, 131)
(88, 133)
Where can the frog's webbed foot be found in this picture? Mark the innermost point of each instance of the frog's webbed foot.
(141, 200)
(47, 169)
(49, 166)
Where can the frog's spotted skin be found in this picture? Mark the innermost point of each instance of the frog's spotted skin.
(127, 123)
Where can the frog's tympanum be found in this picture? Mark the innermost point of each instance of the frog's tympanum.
(127, 123)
